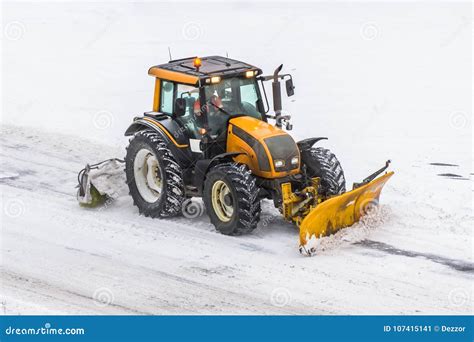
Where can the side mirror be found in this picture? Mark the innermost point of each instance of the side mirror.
(290, 88)
(180, 107)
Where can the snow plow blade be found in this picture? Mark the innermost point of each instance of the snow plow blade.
(339, 211)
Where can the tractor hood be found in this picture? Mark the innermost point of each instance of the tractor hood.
(271, 152)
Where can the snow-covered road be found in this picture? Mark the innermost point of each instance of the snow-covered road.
(413, 257)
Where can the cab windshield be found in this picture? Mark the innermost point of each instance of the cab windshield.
(234, 96)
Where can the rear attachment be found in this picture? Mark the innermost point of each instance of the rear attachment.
(317, 217)
(100, 182)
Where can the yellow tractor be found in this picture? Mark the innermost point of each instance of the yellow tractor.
(209, 136)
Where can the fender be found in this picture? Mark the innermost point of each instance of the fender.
(171, 133)
(306, 144)
(203, 165)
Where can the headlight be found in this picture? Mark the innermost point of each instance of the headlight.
(295, 160)
(279, 163)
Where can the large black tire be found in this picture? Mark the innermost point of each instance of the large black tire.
(172, 196)
(243, 198)
(321, 162)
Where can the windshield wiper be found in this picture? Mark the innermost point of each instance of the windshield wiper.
(220, 109)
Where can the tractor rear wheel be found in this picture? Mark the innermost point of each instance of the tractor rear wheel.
(321, 162)
(231, 198)
(154, 177)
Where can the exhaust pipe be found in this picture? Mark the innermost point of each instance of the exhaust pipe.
(277, 96)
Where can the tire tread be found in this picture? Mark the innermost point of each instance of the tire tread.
(174, 190)
(247, 192)
(322, 163)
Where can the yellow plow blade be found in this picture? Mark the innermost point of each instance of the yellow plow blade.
(339, 211)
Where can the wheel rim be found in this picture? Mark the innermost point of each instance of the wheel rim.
(148, 175)
(222, 201)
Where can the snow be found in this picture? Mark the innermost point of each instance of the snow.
(381, 80)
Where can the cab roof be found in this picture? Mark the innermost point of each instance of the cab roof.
(183, 70)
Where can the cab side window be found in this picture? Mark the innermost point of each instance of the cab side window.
(190, 94)
(167, 92)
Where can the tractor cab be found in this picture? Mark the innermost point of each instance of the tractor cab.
(203, 94)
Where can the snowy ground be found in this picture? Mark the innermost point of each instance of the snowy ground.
(381, 80)
(414, 256)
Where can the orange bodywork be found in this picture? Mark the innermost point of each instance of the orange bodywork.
(258, 130)
(173, 76)
(156, 95)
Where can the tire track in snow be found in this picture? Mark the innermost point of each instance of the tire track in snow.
(41, 288)
(458, 265)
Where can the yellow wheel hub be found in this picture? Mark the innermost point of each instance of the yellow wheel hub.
(222, 201)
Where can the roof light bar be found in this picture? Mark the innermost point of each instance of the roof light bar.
(213, 79)
(250, 73)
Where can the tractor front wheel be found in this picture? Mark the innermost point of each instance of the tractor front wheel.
(321, 162)
(231, 199)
